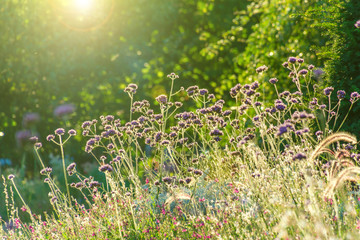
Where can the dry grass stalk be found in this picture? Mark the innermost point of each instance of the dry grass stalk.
(340, 136)
(348, 174)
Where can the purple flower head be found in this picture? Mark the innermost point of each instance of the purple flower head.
(133, 86)
(105, 168)
(162, 99)
(165, 142)
(79, 185)
(299, 156)
(284, 94)
(254, 85)
(64, 110)
(341, 94)
(280, 106)
(178, 104)
(158, 136)
(284, 128)
(292, 59)
(311, 67)
(216, 132)
(11, 176)
(319, 133)
(318, 73)
(261, 69)
(30, 119)
(188, 180)
(303, 72)
(211, 96)
(38, 145)
(71, 167)
(167, 180)
(328, 91)
(298, 132)
(250, 92)
(354, 96)
(314, 101)
(226, 113)
(357, 24)
(235, 90)
(285, 64)
(300, 60)
(216, 108)
(72, 132)
(256, 118)
(109, 118)
(203, 91)
(86, 124)
(94, 184)
(59, 131)
(172, 76)
(34, 139)
(273, 80)
(50, 137)
(192, 90)
(198, 172)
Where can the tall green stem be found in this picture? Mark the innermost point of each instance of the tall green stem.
(63, 162)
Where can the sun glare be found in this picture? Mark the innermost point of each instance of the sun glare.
(83, 5)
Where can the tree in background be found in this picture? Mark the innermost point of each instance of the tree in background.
(340, 50)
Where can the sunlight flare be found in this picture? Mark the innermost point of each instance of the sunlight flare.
(83, 5)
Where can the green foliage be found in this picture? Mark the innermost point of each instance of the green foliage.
(52, 54)
(340, 48)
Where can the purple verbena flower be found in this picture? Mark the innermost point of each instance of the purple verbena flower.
(354, 96)
(71, 167)
(203, 91)
(303, 72)
(59, 131)
(86, 124)
(162, 99)
(341, 94)
(261, 69)
(72, 132)
(328, 91)
(292, 59)
(50, 137)
(273, 80)
(64, 110)
(106, 168)
(357, 24)
(299, 156)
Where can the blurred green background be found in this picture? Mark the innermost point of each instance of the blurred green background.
(66, 61)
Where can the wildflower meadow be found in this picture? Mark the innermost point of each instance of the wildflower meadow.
(256, 170)
(179, 119)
